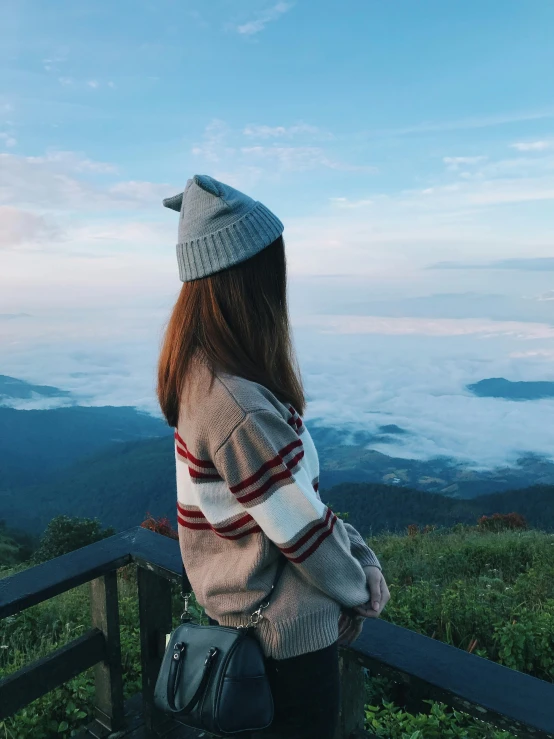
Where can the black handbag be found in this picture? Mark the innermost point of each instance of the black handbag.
(214, 677)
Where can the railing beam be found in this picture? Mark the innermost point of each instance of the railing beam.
(430, 669)
(108, 675)
(45, 674)
(155, 622)
(353, 692)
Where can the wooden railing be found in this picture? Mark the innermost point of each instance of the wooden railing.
(424, 667)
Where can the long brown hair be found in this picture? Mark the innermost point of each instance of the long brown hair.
(239, 319)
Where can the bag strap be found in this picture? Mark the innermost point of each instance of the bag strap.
(256, 615)
(175, 669)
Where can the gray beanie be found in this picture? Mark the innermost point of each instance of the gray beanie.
(218, 227)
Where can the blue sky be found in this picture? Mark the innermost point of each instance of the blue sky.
(408, 147)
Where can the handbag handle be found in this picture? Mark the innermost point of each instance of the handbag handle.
(174, 672)
(256, 615)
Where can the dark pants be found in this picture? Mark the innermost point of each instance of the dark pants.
(306, 695)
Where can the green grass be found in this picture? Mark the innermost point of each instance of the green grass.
(496, 588)
(457, 586)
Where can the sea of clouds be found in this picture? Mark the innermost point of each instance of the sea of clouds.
(368, 358)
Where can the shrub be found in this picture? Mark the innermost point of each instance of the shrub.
(65, 534)
(160, 526)
(502, 522)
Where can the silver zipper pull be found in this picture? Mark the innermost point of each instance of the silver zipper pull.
(178, 649)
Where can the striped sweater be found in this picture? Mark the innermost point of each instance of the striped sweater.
(247, 494)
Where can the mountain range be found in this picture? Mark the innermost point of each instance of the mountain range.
(117, 463)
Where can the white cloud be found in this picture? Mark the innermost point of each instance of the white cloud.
(267, 16)
(454, 163)
(8, 139)
(213, 147)
(300, 158)
(65, 80)
(531, 145)
(59, 182)
(345, 203)
(52, 64)
(139, 191)
(542, 353)
(419, 383)
(266, 132)
(462, 124)
(360, 381)
(240, 159)
(93, 83)
(19, 228)
(391, 326)
(480, 191)
(72, 161)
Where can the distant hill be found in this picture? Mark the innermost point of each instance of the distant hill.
(357, 462)
(117, 485)
(376, 508)
(35, 443)
(12, 388)
(120, 485)
(117, 463)
(498, 387)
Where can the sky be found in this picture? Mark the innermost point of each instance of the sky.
(408, 147)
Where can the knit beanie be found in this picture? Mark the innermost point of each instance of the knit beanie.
(218, 227)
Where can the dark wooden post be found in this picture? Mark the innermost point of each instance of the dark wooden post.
(155, 622)
(108, 679)
(351, 718)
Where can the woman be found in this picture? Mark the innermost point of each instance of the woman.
(247, 468)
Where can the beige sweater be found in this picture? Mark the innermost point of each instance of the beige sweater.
(247, 487)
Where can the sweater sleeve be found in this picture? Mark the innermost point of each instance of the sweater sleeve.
(261, 462)
(360, 549)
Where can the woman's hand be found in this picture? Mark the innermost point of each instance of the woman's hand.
(379, 593)
(350, 627)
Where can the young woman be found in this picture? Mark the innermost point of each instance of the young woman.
(247, 468)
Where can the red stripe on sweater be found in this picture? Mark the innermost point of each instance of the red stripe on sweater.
(190, 525)
(265, 487)
(266, 466)
(308, 535)
(315, 545)
(253, 530)
(181, 452)
(198, 462)
(275, 477)
(207, 526)
(238, 524)
(202, 475)
(187, 512)
(295, 420)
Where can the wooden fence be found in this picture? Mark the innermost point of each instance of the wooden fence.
(423, 667)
